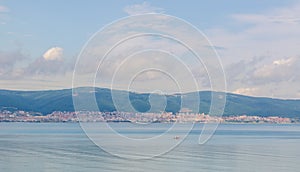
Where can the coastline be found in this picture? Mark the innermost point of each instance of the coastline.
(145, 118)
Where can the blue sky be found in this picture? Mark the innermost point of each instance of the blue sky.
(38, 25)
(257, 39)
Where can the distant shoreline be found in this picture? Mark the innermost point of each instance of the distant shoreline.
(128, 117)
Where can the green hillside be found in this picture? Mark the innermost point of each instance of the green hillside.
(46, 102)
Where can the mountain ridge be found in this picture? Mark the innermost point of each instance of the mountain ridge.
(47, 101)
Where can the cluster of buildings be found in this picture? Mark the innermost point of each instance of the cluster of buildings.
(165, 117)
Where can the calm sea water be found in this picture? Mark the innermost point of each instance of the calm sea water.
(55, 147)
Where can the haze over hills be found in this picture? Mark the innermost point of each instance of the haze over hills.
(46, 102)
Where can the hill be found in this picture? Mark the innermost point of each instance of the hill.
(46, 102)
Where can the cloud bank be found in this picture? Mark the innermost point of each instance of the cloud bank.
(50, 70)
(8, 61)
(262, 56)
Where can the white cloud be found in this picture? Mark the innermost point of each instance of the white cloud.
(284, 15)
(279, 70)
(8, 61)
(283, 61)
(246, 91)
(276, 18)
(262, 77)
(143, 8)
(128, 37)
(54, 53)
(15, 65)
(273, 34)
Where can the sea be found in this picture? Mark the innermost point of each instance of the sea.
(55, 147)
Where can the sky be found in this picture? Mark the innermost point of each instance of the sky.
(257, 41)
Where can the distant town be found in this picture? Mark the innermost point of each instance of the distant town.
(165, 117)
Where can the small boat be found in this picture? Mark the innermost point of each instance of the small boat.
(176, 137)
